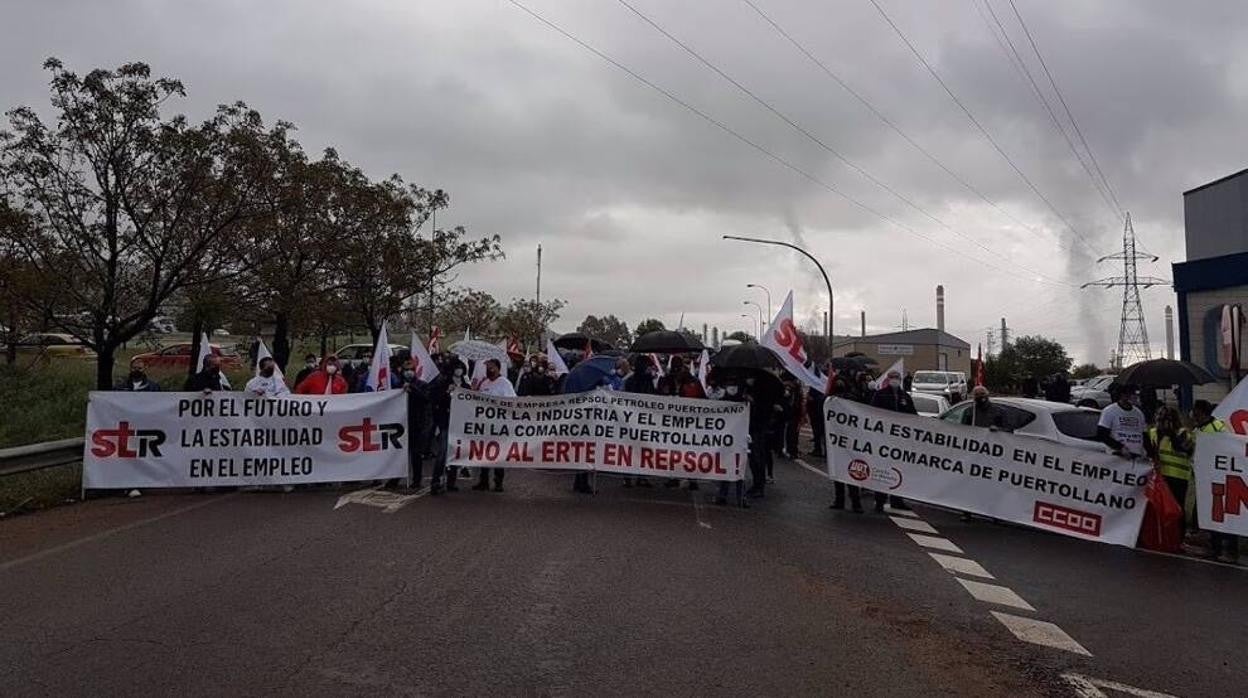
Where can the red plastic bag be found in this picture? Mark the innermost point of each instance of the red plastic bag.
(1163, 518)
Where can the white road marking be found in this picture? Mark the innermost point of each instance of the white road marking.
(934, 542)
(902, 512)
(110, 532)
(1039, 632)
(995, 594)
(388, 502)
(1088, 687)
(961, 565)
(914, 525)
(813, 469)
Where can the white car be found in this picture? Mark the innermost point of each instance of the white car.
(929, 405)
(1052, 421)
(1094, 393)
(356, 354)
(950, 384)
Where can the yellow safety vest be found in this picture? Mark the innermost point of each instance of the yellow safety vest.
(1173, 463)
(1216, 426)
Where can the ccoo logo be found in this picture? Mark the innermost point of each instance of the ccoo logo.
(370, 437)
(126, 442)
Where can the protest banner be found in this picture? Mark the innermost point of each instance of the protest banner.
(1221, 469)
(1025, 480)
(602, 430)
(150, 440)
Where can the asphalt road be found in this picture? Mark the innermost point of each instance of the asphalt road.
(538, 591)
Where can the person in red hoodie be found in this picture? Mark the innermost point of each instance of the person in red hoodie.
(326, 380)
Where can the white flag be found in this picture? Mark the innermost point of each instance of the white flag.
(379, 371)
(205, 349)
(426, 369)
(899, 366)
(783, 340)
(556, 361)
(703, 366)
(1234, 409)
(262, 352)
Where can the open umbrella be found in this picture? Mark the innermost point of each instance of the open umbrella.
(589, 374)
(667, 342)
(477, 350)
(851, 363)
(863, 358)
(749, 356)
(1163, 373)
(576, 341)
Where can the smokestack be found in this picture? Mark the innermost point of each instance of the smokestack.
(1005, 335)
(705, 336)
(715, 337)
(1169, 332)
(940, 308)
(862, 315)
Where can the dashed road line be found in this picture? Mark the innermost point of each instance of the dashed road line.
(934, 542)
(915, 524)
(961, 565)
(903, 512)
(1039, 632)
(1088, 687)
(995, 594)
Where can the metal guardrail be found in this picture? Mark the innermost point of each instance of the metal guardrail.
(24, 459)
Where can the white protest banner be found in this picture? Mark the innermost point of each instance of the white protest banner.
(1221, 468)
(1234, 409)
(1085, 494)
(784, 341)
(601, 430)
(232, 439)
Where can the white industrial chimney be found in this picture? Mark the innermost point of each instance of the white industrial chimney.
(940, 308)
(1169, 332)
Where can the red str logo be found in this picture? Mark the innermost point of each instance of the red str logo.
(1229, 498)
(125, 442)
(361, 438)
(1067, 519)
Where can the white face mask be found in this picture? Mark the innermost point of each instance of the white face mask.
(331, 369)
(731, 390)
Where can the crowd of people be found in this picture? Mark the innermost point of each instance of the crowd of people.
(777, 407)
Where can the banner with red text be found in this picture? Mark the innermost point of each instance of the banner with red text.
(602, 430)
(1082, 493)
(1221, 468)
(150, 440)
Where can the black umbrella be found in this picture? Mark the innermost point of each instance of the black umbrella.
(666, 342)
(1163, 373)
(576, 341)
(850, 363)
(748, 356)
(863, 358)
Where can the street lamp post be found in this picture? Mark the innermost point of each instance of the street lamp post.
(761, 323)
(753, 320)
(768, 292)
(831, 314)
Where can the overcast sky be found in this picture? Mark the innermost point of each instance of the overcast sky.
(539, 140)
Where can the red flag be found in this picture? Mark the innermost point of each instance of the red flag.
(514, 348)
(979, 367)
(434, 346)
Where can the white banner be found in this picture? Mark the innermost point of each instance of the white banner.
(1095, 496)
(232, 439)
(601, 430)
(1221, 467)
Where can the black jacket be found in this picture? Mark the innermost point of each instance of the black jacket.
(204, 380)
(893, 399)
(533, 383)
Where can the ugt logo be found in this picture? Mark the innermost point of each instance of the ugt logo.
(1229, 497)
(125, 442)
(369, 437)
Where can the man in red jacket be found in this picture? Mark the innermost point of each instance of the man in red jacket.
(326, 380)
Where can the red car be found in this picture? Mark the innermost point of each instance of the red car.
(179, 356)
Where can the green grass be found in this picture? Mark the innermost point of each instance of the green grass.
(45, 402)
(40, 489)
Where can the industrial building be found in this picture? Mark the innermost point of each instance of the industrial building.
(926, 349)
(1214, 277)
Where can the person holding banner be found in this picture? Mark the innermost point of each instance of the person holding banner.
(267, 381)
(209, 379)
(450, 377)
(1170, 447)
(326, 380)
(1222, 546)
(494, 383)
(640, 381)
(846, 388)
(732, 393)
(889, 396)
(1121, 426)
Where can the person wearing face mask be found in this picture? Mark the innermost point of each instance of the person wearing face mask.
(494, 383)
(537, 380)
(1122, 424)
(209, 378)
(451, 376)
(326, 380)
(616, 380)
(137, 381)
(890, 396)
(310, 364)
(419, 417)
(984, 412)
(640, 380)
(267, 382)
(731, 392)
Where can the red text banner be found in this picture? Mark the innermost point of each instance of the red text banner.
(601, 430)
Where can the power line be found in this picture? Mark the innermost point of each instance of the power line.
(815, 139)
(979, 125)
(888, 122)
(728, 130)
(1062, 99)
(1021, 66)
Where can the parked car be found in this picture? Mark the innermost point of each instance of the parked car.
(950, 384)
(1094, 393)
(53, 345)
(162, 324)
(179, 356)
(1053, 421)
(929, 405)
(355, 354)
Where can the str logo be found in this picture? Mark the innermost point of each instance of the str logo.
(1067, 519)
(126, 442)
(369, 437)
(1229, 497)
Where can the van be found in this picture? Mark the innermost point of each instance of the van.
(950, 384)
